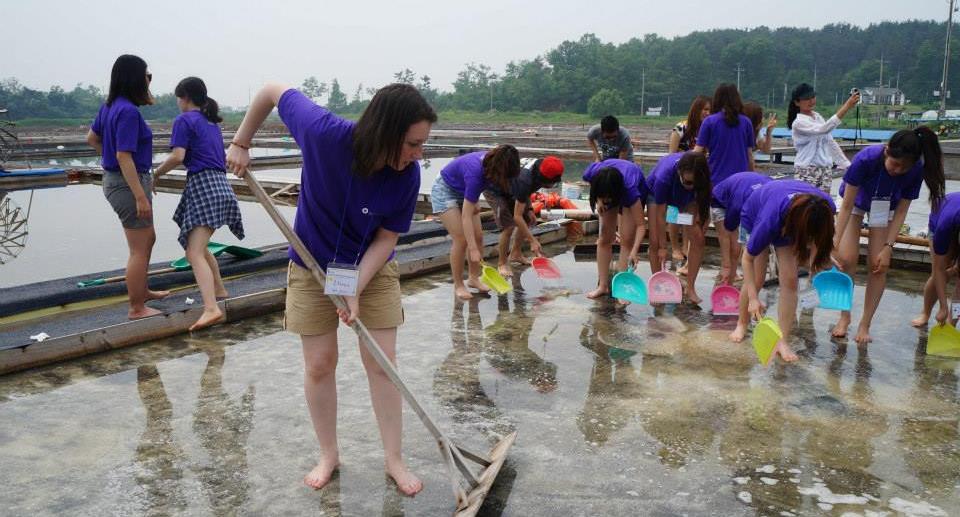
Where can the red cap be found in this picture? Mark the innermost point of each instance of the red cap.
(551, 168)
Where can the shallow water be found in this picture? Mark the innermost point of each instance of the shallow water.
(619, 412)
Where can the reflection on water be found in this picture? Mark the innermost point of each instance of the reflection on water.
(620, 411)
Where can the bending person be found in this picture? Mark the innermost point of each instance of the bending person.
(944, 252)
(684, 138)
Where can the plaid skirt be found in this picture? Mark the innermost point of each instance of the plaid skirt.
(207, 200)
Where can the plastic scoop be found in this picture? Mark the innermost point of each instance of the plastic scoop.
(216, 249)
(944, 340)
(765, 337)
(628, 286)
(665, 287)
(546, 268)
(835, 289)
(494, 280)
(725, 300)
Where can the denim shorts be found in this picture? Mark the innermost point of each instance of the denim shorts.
(121, 199)
(443, 198)
(743, 236)
(717, 214)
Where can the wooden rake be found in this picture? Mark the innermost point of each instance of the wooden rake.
(469, 491)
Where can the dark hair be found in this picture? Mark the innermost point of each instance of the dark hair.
(500, 164)
(754, 112)
(913, 144)
(726, 98)
(192, 88)
(694, 121)
(697, 163)
(802, 91)
(809, 222)
(128, 79)
(608, 183)
(609, 124)
(378, 137)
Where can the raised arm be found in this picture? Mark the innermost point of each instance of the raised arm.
(238, 154)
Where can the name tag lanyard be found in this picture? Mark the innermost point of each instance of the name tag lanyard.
(343, 278)
(880, 207)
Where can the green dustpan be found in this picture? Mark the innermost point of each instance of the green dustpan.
(944, 340)
(765, 337)
(628, 286)
(216, 249)
(494, 280)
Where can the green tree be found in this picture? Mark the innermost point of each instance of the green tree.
(605, 102)
(313, 88)
(337, 101)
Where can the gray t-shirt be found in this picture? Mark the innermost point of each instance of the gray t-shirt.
(611, 148)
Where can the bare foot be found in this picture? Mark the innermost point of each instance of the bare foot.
(208, 318)
(157, 295)
(505, 269)
(840, 329)
(863, 336)
(678, 257)
(598, 292)
(462, 292)
(322, 473)
(478, 285)
(408, 484)
(146, 312)
(738, 333)
(221, 293)
(520, 259)
(692, 296)
(622, 302)
(920, 321)
(682, 270)
(785, 353)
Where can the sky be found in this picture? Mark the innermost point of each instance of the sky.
(236, 46)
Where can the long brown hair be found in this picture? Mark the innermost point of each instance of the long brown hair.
(694, 120)
(726, 99)
(809, 223)
(911, 144)
(754, 112)
(697, 163)
(378, 137)
(501, 164)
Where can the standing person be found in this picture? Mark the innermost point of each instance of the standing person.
(358, 192)
(728, 139)
(208, 201)
(797, 219)
(944, 251)
(513, 210)
(680, 182)
(124, 140)
(754, 112)
(880, 184)
(684, 138)
(817, 152)
(617, 188)
(455, 195)
(608, 140)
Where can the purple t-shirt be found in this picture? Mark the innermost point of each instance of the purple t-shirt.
(765, 211)
(335, 204)
(201, 138)
(868, 172)
(121, 127)
(635, 188)
(664, 184)
(465, 176)
(945, 223)
(727, 146)
(734, 191)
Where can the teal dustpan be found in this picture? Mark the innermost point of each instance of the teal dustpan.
(835, 290)
(628, 286)
(216, 249)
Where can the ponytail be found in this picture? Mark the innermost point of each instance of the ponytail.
(211, 110)
(195, 90)
(792, 112)
(809, 223)
(919, 143)
(697, 163)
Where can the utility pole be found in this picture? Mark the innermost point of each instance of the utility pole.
(738, 70)
(491, 96)
(643, 88)
(784, 93)
(814, 77)
(942, 112)
(879, 91)
(668, 105)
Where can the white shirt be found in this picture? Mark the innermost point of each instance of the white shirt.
(815, 146)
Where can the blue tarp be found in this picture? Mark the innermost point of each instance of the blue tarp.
(870, 135)
(21, 173)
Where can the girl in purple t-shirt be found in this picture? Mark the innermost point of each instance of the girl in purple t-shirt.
(208, 201)
(125, 142)
(727, 137)
(880, 184)
(460, 184)
(680, 182)
(944, 227)
(617, 188)
(358, 191)
(797, 219)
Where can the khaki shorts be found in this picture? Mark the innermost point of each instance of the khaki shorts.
(309, 312)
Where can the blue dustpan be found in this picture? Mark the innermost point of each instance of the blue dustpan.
(628, 286)
(835, 289)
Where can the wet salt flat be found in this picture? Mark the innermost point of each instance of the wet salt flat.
(619, 412)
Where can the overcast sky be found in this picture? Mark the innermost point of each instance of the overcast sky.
(237, 45)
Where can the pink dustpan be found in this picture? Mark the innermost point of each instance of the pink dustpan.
(725, 300)
(664, 287)
(546, 268)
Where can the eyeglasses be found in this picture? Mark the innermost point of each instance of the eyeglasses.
(149, 76)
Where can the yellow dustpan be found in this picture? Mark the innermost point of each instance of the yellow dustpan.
(765, 337)
(494, 280)
(944, 340)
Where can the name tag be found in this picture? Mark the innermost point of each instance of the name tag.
(685, 219)
(672, 213)
(879, 213)
(955, 311)
(342, 279)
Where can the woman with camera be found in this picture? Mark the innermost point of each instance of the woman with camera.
(817, 151)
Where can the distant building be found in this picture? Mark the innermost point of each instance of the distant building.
(654, 112)
(887, 96)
